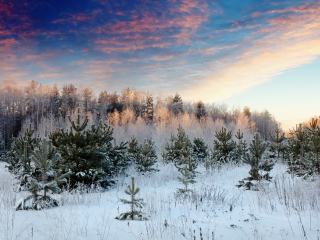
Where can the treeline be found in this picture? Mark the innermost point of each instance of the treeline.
(37, 103)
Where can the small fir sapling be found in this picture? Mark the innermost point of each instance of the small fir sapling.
(186, 178)
(44, 158)
(147, 157)
(175, 145)
(186, 158)
(200, 149)
(223, 146)
(186, 166)
(310, 161)
(300, 134)
(18, 158)
(134, 202)
(241, 147)
(24, 159)
(133, 151)
(314, 141)
(277, 141)
(257, 162)
(297, 146)
(292, 156)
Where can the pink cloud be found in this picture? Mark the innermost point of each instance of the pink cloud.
(6, 44)
(50, 75)
(187, 15)
(164, 58)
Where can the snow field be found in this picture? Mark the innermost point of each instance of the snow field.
(286, 208)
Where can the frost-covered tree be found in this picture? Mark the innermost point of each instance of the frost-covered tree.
(186, 179)
(314, 142)
(88, 152)
(241, 147)
(258, 163)
(277, 141)
(19, 156)
(175, 145)
(246, 111)
(134, 202)
(69, 99)
(43, 158)
(133, 149)
(148, 108)
(186, 166)
(200, 149)
(308, 165)
(176, 106)
(86, 97)
(147, 157)
(200, 110)
(297, 146)
(301, 135)
(186, 158)
(223, 146)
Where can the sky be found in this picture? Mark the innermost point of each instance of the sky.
(263, 54)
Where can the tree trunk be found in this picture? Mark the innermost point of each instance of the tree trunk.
(132, 206)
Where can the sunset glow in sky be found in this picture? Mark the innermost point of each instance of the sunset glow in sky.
(264, 54)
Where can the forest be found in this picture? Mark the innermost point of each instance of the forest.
(39, 104)
(69, 154)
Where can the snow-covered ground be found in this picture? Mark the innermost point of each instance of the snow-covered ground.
(284, 209)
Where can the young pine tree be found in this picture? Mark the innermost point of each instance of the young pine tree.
(241, 147)
(175, 145)
(133, 149)
(186, 166)
(310, 161)
(277, 141)
(301, 135)
(314, 142)
(134, 202)
(258, 164)
(19, 156)
(186, 179)
(147, 157)
(200, 149)
(223, 146)
(186, 158)
(297, 147)
(88, 153)
(44, 158)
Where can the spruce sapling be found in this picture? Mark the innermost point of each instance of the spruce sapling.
(200, 149)
(241, 147)
(44, 159)
(132, 150)
(173, 149)
(223, 146)
(255, 160)
(186, 166)
(132, 191)
(310, 161)
(277, 140)
(301, 135)
(147, 157)
(186, 179)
